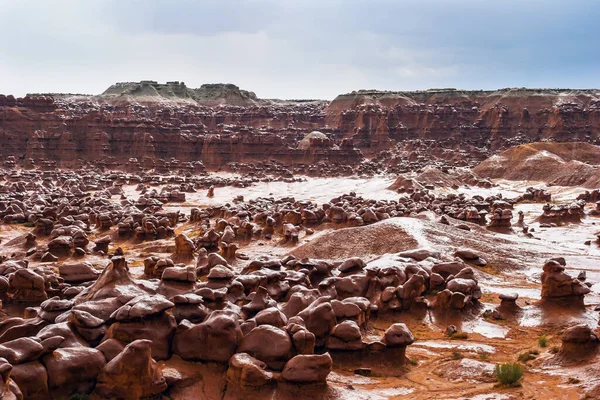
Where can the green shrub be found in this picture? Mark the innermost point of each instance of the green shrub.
(527, 356)
(457, 355)
(459, 335)
(483, 356)
(543, 341)
(509, 374)
(554, 349)
(413, 361)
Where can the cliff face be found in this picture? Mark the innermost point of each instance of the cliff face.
(154, 125)
(485, 118)
(64, 131)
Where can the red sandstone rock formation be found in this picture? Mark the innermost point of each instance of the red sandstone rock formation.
(484, 117)
(151, 125)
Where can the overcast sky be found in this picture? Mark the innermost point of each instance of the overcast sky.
(299, 48)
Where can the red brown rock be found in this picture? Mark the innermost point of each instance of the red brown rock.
(132, 374)
(215, 339)
(556, 283)
(308, 368)
(73, 369)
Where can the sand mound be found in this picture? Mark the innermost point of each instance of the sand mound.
(371, 240)
(594, 180)
(574, 173)
(434, 176)
(406, 181)
(503, 252)
(565, 164)
(429, 176)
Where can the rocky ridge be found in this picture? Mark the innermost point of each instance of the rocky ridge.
(150, 125)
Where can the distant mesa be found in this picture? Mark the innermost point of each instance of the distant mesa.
(450, 95)
(214, 94)
(463, 92)
(175, 91)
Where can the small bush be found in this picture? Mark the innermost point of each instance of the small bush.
(483, 356)
(554, 349)
(509, 374)
(459, 335)
(29, 224)
(413, 361)
(543, 341)
(527, 356)
(457, 355)
(574, 381)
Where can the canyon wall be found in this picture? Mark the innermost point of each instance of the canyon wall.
(149, 125)
(488, 118)
(67, 131)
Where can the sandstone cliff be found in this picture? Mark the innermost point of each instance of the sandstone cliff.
(150, 125)
(488, 118)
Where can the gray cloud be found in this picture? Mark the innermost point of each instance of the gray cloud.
(299, 49)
